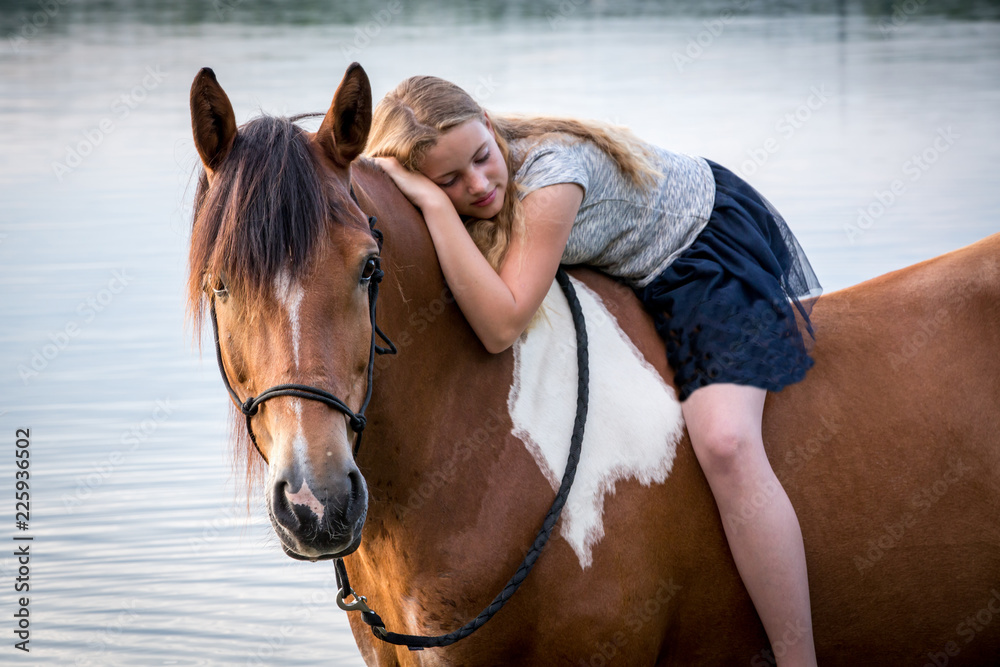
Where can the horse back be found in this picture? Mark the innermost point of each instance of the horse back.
(887, 450)
(890, 453)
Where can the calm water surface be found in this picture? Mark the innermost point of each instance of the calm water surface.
(143, 552)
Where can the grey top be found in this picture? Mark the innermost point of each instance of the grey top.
(623, 230)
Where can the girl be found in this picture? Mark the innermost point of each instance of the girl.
(507, 199)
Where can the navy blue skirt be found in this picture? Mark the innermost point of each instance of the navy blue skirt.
(729, 307)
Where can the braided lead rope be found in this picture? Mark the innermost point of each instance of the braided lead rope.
(418, 642)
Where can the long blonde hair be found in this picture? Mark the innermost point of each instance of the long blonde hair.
(410, 118)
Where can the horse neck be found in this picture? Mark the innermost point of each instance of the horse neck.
(439, 440)
(418, 409)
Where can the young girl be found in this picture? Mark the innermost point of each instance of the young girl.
(507, 199)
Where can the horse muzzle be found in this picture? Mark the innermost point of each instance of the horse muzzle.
(318, 520)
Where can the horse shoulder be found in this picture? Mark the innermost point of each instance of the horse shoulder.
(637, 324)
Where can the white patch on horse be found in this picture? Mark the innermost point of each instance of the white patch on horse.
(634, 420)
(289, 294)
(304, 496)
(299, 444)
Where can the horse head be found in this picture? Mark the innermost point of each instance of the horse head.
(283, 258)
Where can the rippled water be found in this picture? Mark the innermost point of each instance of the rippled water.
(143, 552)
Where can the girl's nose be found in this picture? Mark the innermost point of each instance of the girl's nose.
(477, 182)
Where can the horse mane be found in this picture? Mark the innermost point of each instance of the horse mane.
(266, 212)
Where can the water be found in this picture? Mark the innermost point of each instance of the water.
(143, 552)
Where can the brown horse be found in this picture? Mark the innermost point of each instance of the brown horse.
(889, 450)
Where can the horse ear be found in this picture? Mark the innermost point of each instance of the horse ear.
(212, 120)
(344, 131)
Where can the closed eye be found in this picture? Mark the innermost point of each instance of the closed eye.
(479, 160)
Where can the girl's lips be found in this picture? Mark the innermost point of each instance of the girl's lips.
(487, 200)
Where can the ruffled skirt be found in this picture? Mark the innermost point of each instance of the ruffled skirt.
(731, 307)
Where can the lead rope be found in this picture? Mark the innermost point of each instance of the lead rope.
(419, 642)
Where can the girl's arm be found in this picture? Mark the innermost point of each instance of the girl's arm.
(497, 306)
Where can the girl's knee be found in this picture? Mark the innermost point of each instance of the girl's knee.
(725, 452)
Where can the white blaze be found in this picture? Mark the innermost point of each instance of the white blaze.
(634, 419)
(289, 294)
(299, 444)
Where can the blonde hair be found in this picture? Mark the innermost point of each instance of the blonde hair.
(410, 118)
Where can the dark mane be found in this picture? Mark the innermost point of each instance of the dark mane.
(267, 210)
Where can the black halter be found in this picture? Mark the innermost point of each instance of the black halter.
(251, 405)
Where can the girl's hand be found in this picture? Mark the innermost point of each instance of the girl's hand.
(420, 190)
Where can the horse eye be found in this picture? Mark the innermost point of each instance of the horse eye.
(220, 289)
(371, 266)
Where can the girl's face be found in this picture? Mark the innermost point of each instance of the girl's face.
(466, 163)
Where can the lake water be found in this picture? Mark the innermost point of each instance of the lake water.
(875, 131)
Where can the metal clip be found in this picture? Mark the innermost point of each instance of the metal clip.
(359, 604)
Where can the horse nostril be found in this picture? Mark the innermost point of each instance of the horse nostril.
(357, 484)
(281, 508)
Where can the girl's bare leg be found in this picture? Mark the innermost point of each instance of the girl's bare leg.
(724, 422)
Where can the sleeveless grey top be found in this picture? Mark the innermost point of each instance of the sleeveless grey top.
(626, 231)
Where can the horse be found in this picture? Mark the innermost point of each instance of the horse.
(889, 449)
